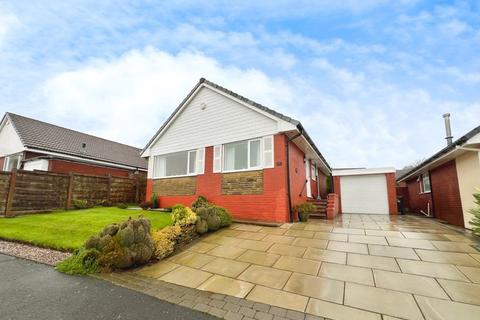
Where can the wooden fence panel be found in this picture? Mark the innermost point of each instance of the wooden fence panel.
(91, 188)
(37, 191)
(123, 190)
(4, 183)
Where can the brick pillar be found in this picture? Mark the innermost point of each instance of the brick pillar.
(392, 193)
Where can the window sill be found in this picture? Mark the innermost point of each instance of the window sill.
(427, 192)
(243, 170)
(179, 176)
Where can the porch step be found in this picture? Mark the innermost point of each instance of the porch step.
(318, 215)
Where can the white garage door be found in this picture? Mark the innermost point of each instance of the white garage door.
(364, 194)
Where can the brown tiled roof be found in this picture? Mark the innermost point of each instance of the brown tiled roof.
(48, 137)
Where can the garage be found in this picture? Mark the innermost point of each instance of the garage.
(366, 191)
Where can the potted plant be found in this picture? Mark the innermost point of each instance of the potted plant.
(304, 210)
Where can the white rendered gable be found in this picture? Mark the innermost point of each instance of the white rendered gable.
(10, 142)
(211, 118)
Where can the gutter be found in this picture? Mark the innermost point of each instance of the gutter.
(289, 192)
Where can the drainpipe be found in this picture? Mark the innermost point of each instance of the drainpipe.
(289, 193)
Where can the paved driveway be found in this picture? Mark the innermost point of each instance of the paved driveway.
(356, 267)
(30, 290)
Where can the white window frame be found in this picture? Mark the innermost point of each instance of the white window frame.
(7, 159)
(197, 172)
(313, 170)
(423, 178)
(249, 141)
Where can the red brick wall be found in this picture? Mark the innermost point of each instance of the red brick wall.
(2, 159)
(418, 201)
(322, 181)
(446, 194)
(271, 206)
(337, 191)
(64, 166)
(392, 193)
(402, 192)
(297, 175)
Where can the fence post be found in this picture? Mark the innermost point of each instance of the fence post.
(11, 193)
(137, 190)
(109, 188)
(68, 205)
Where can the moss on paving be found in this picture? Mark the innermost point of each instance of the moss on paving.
(68, 230)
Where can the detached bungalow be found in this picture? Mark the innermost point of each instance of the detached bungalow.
(239, 154)
(443, 185)
(30, 144)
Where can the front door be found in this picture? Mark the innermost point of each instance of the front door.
(308, 182)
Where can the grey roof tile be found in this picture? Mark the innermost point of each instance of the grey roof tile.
(48, 137)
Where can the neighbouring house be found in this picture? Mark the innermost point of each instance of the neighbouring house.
(365, 191)
(30, 144)
(443, 185)
(239, 154)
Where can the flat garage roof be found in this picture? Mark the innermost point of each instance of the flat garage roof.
(356, 172)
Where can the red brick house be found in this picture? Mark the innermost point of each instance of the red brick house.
(30, 144)
(239, 154)
(443, 185)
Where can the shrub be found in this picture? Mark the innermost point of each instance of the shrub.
(183, 216)
(80, 204)
(122, 205)
(123, 245)
(304, 210)
(225, 218)
(165, 240)
(213, 222)
(145, 205)
(201, 226)
(476, 214)
(200, 203)
(83, 261)
(106, 203)
(154, 201)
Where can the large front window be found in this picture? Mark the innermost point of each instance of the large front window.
(243, 155)
(178, 164)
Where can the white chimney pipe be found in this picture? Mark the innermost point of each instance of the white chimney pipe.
(448, 129)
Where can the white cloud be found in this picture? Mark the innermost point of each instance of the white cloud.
(128, 98)
(7, 22)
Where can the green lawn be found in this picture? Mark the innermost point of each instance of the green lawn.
(68, 230)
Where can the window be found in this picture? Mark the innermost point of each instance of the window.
(178, 164)
(425, 183)
(242, 155)
(12, 162)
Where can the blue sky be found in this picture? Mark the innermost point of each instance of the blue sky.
(369, 79)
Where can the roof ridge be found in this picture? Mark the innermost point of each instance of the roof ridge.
(65, 128)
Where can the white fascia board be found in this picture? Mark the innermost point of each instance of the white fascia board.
(99, 162)
(317, 158)
(357, 172)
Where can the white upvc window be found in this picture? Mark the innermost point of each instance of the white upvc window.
(425, 186)
(253, 154)
(12, 162)
(179, 164)
(242, 155)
